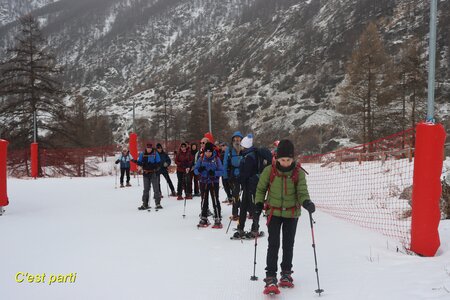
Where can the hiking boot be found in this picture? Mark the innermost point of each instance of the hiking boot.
(121, 185)
(203, 222)
(128, 184)
(158, 206)
(271, 287)
(239, 234)
(217, 223)
(286, 279)
(188, 197)
(143, 207)
(180, 197)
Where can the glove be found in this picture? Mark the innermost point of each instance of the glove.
(201, 169)
(211, 173)
(309, 206)
(165, 165)
(117, 161)
(258, 209)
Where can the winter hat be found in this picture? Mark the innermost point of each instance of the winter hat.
(285, 149)
(237, 133)
(247, 142)
(209, 147)
(158, 145)
(209, 136)
(149, 145)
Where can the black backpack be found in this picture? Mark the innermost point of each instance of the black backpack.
(263, 158)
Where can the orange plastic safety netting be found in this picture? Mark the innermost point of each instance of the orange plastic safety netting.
(370, 185)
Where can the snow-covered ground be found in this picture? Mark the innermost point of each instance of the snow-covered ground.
(86, 226)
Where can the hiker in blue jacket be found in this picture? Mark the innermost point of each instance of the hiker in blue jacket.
(209, 168)
(149, 160)
(231, 163)
(124, 160)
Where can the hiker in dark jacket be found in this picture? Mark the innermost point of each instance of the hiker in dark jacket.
(194, 178)
(284, 183)
(184, 163)
(165, 163)
(248, 178)
(124, 159)
(149, 160)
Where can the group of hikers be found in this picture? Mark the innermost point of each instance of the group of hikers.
(278, 187)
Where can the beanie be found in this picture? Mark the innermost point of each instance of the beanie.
(237, 133)
(285, 149)
(247, 142)
(209, 136)
(149, 145)
(209, 147)
(158, 145)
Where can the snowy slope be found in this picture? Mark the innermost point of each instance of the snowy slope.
(88, 227)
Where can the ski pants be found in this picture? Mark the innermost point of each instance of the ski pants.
(226, 187)
(235, 190)
(168, 180)
(151, 179)
(212, 189)
(183, 184)
(247, 205)
(289, 227)
(122, 175)
(194, 178)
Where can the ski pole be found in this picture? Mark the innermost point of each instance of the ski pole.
(184, 211)
(115, 169)
(311, 221)
(229, 223)
(167, 184)
(254, 277)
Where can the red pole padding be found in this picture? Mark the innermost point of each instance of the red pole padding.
(3, 158)
(34, 160)
(133, 150)
(428, 160)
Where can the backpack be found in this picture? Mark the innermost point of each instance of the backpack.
(263, 159)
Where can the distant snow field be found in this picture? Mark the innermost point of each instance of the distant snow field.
(95, 243)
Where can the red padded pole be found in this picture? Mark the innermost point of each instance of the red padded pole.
(3, 186)
(34, 160)
(133, 151)
(428, 160)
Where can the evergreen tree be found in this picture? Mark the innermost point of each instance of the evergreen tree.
(28, 84)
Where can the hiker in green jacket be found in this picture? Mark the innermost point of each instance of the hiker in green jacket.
(285, 185)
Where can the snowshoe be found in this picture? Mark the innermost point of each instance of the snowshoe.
(217, 224)
(143, 207)
(286, 279)
(271, 287)
(253, 234)
(180, 197)
(238, 235)
(203, 223)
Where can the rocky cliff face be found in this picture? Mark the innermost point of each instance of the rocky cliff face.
(275, 65)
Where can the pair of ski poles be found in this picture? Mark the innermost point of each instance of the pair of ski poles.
(311, 221)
